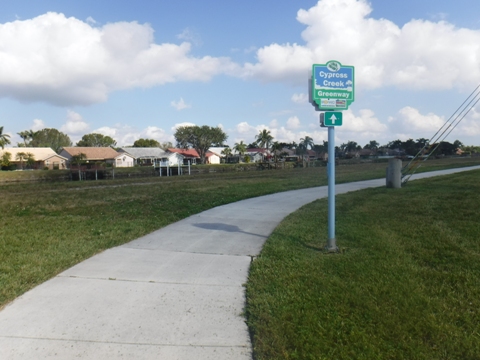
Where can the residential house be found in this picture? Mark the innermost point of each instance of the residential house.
(44, 158)
(286, 154)
(258, 154)
(310, 155)
(214, 155)
(190, 156)
(153, 156)
(99, 154)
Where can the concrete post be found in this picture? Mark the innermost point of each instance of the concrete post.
(394, 174)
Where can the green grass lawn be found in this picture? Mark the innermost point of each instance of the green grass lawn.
(406, 284)
(47, 227)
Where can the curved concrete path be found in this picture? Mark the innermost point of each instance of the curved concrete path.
(174, 294)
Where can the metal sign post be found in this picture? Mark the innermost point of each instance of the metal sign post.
(331, 89)
(331, 244)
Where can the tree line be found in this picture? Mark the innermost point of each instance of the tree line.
(201, 138)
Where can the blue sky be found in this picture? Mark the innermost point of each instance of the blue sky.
(138, 70)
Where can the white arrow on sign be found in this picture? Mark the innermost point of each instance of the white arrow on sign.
(333, 118)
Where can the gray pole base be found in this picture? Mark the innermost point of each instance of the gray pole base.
(394, 174)
(331, 246)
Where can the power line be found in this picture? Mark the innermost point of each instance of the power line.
(441, 134)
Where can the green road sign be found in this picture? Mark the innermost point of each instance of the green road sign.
(333, 118)
(333, 85)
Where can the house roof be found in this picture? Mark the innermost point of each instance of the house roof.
(257, 150)
(185, 152)
(39, 154)
(92, 153)
(288, 151)
(210, 154)
(146, 152)
(217, 150)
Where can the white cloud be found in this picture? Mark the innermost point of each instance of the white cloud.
(246, 132)
(409, 123)
(38, 125)
(469, 127)
(65, 61)
(246, 128)
(300, 98)
(293, 122)
(74, 124)
(419, 55)
(107, 131)
(90, 20)
(180, 105)
(126, 135)
(274, 123)
(250, 49)
(190, 36)
(362, 128)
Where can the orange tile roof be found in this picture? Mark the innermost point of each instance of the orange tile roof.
(185, 152)
(92, 153)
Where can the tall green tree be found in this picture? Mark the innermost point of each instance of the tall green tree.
(166, 145)
(240, 148)
(372, 145)
(395, 144)
(25, 136)
(276, 147)
(4, 138)
(30, 159)
(51, 138)
(410, 147)
(21, 156)
(264, 139)
(307, 142)
(200, 138)
(227, 152)
(458, 144)
(78, 160)
(96, 140)
(5, 160)
(146, 143)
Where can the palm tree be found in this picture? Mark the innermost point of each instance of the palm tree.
(20, 157)
(351, 146)
(264, 139)
(227, 152)
(32, 134)
(78, 159)
(30, 159)
(240, 148)
(276, 147)
(4, 138)
(305, 143)
(24, 136)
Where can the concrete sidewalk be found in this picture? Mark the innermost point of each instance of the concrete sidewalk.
(174, 294)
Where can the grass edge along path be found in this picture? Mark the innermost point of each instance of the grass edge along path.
(405, 285)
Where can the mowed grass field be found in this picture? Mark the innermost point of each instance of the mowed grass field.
(47, 227)
(406, 284)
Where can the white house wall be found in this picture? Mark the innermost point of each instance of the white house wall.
(124, 161)
(214, 159)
